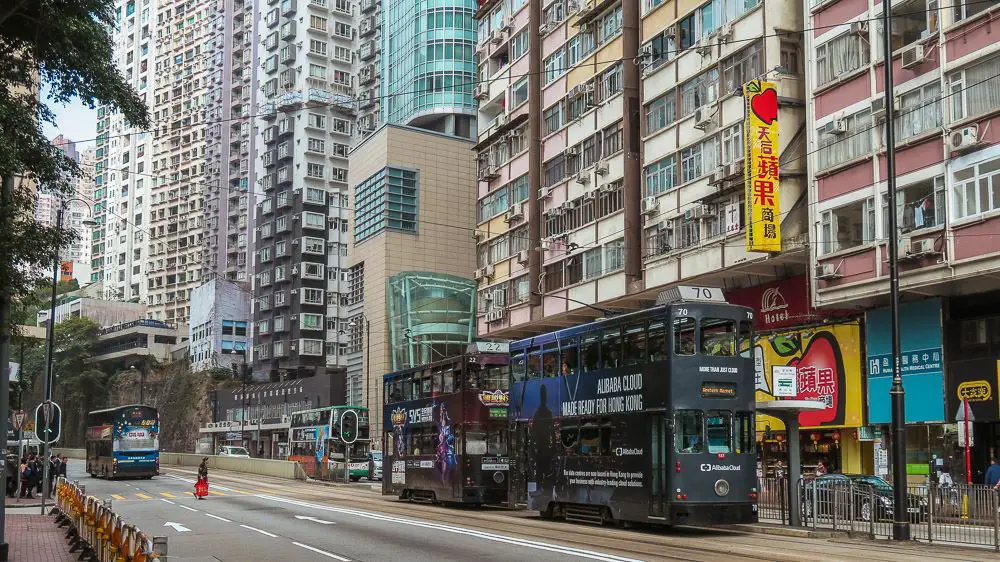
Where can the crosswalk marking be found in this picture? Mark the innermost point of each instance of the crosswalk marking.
(144, 496)
(117, 497)
(168, 495)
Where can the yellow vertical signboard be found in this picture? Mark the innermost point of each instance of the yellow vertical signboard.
(760, 137)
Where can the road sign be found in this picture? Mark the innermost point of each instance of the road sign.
(784, 380)
(48, 422)
(18, 419)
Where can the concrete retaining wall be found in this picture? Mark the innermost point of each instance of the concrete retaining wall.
(263, 467)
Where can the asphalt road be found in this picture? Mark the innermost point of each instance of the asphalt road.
(249, 522)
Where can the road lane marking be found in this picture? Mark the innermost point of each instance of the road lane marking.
(182, 506)
(219, 518)
(527, 543)
(177, 527)
(323, 552)
(314, 520)
(118, 497)
(168, 495)
(144, 496)
(168, 501)
(261, 531)
(214, 493)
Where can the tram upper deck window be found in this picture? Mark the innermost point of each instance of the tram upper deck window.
(535, 364)
(688, 426)
(718, 337)
(656, 341)
(569, 357)
(611, 347)
(745, 341)
(517, 366)
(684, 336)
(590, 352)
(493, 378)
(550, 359)
(719, 431)
(635, 344)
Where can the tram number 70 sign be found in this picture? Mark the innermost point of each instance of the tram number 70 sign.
(48, 422)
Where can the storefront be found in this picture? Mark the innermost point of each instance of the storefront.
(922, 366)
(812, 362)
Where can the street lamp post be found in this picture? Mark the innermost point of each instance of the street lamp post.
(50, 336)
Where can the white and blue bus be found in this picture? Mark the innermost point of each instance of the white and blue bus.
(123, 442)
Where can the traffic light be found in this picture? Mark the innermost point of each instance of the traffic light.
(48, 422)
(349, 426)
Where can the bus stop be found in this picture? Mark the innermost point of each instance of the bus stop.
(788, 412)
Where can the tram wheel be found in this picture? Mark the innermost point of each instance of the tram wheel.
(547, 512)
(606, 516)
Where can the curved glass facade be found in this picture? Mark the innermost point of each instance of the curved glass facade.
(429, 59)
(430, 316)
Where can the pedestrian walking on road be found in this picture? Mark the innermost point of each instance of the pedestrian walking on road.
(201, 486)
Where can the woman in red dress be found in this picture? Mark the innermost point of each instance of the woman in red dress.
(201, 486)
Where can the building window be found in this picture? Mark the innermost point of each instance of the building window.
(314, 170)
(612, 139)
(609, 83)
(518, 45)
(919, 205)
(310, 321)
(316, 121)
(661, 175)
(356, 283)
(311, 296)
(975, 189)
(519, 92)
(555, 65)
(742, 67)
(579, 47)
(386, 200)
(837, 146)
(967, 8)
(555, 170)
(918, 111)
(841, 56)
(317, 23)
(975, 90)
(663, 49)
(847, 227)
(699, 91)
(614, 256)
(611, 25)
(317, 47)
(699, 159)
(310, 347)
(554, 117)
(732, 143)
(661, 112)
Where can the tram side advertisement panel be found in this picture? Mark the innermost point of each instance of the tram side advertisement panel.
(586, 439)
(425, 455)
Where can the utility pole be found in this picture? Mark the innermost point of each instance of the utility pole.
(6, 202)
(900, 523)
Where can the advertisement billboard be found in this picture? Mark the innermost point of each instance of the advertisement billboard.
(760, 135)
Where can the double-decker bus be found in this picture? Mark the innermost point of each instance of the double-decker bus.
(317, 441)
(123, 442)
(446, 429)
(640, 417)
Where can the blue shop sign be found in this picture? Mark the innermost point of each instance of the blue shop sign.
(921, 362)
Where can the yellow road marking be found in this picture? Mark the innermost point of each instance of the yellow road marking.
(167, 495)
(144, 496)
(117, 497)
(216, 493)
(241, 492)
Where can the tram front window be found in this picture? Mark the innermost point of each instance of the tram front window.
(718, 337)
(719, 431)
(688, 431)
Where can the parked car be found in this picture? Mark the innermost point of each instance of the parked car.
(375, 465)
(228, 451)
(840, 491)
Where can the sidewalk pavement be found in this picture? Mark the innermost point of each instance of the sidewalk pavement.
(36, 538)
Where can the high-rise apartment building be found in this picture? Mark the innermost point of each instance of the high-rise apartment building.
(75, 257)
(307, 119)
(611, 153)
(417, 66)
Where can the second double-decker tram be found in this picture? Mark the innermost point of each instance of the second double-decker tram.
(642, 417)
(446, 430)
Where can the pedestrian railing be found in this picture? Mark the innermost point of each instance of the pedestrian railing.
(98, 532)
(957, 514)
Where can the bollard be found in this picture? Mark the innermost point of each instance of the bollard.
(930, 514)
(996, 519)
(872, 511)
(159, 547)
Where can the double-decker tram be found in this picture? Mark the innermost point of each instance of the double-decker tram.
(446, 429)
(642, 417)
(321, 438)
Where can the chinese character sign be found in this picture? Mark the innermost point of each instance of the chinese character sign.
(760, 136)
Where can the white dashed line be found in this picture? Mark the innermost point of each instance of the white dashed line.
(261, 531)
(219, 518)
(168, 501)
(182, 506)
(323, 552)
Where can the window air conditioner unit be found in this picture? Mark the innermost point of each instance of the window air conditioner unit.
(924, 246)
(859, 27)
(570, 205)
(583, 177)
(703, 47)
(913, 56)
(571, 151)
(960, 140)
(488, 270)
(544, 192)
(513, 213)
(480, 273)
(590, 195)
(601, 167)
(704, 116)
(646, 51)
(479, 235)
(665, 225)
(826, 271)
(649, 205)
(546, 28)
(878, 108)
(522, 256)
(482, 91)
(735, 168)
(718, 176)
(836, 127)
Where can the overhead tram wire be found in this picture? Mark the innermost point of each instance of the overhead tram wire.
(505, 77)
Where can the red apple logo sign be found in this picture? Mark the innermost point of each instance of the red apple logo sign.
(821, 377)
(765, 105)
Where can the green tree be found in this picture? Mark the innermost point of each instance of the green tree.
(65, 45)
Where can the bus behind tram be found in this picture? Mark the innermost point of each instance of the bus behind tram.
(446, 429)
(640, 417)
(123, 442)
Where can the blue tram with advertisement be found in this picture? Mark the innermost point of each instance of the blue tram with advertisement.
(123, 442)
(446, 429)
(641, 417)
